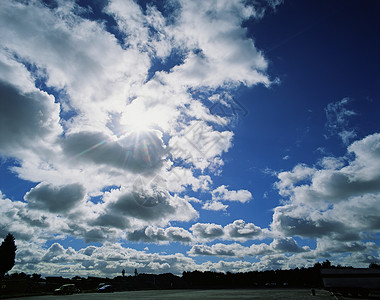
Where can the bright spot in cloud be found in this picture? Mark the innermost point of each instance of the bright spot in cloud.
(140, 117)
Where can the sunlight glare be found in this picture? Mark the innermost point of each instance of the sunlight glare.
(136, 117)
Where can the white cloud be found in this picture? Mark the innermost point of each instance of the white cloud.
(283, 245)
(331, 163)
(76, 54)
(107, 260)
(135, 25)
(27, 224)
(219, 250)
(214, 205)
(158, 235)
(198, 144)
(207, 231)
(15, 73)
(207, 64)
(339, 201)
(238, 230)
(179, 178)
(227, 266)
(223, 194)
(287, 245)
(360, 176)
(150, 204)
(289, 179)
(10, 219)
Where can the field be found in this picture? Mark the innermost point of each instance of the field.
(274, 294)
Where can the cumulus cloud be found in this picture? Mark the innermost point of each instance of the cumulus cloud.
(137, 152)
(27, 120)
(214, 205)
(223, 194)
(207, 231)
(208, 65)
(57, 42)
(238, 230)
(198, 144)
(10, 220)
(55, 199)
(288, 179)
(287, 245)
(303, 221)
(228, 266)
(28, 224)
(107, 220)
(157, 235)
(358, 177)
(104, 260)
(150, 204)
(325, 244)
(283, 245)
(56, 253)
(339, 202)
(177, 179)
(219, 250)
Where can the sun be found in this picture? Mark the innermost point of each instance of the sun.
(137, 122)
(137, 117)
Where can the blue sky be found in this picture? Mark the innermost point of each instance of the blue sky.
(171, 136)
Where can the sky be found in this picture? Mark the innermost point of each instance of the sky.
(171, 136)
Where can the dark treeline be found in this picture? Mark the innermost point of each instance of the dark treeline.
(293, 278)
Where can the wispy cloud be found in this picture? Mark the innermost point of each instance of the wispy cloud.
(338, 115)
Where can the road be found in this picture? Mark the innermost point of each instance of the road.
(274, 294)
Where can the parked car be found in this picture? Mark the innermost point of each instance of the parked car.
(100, 285)
(66, 289)
(106, 289)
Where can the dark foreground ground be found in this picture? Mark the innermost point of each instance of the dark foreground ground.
(275, 294)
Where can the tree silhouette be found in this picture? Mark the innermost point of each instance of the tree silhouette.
(374, 266)
(7, 254)
(326, 264)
